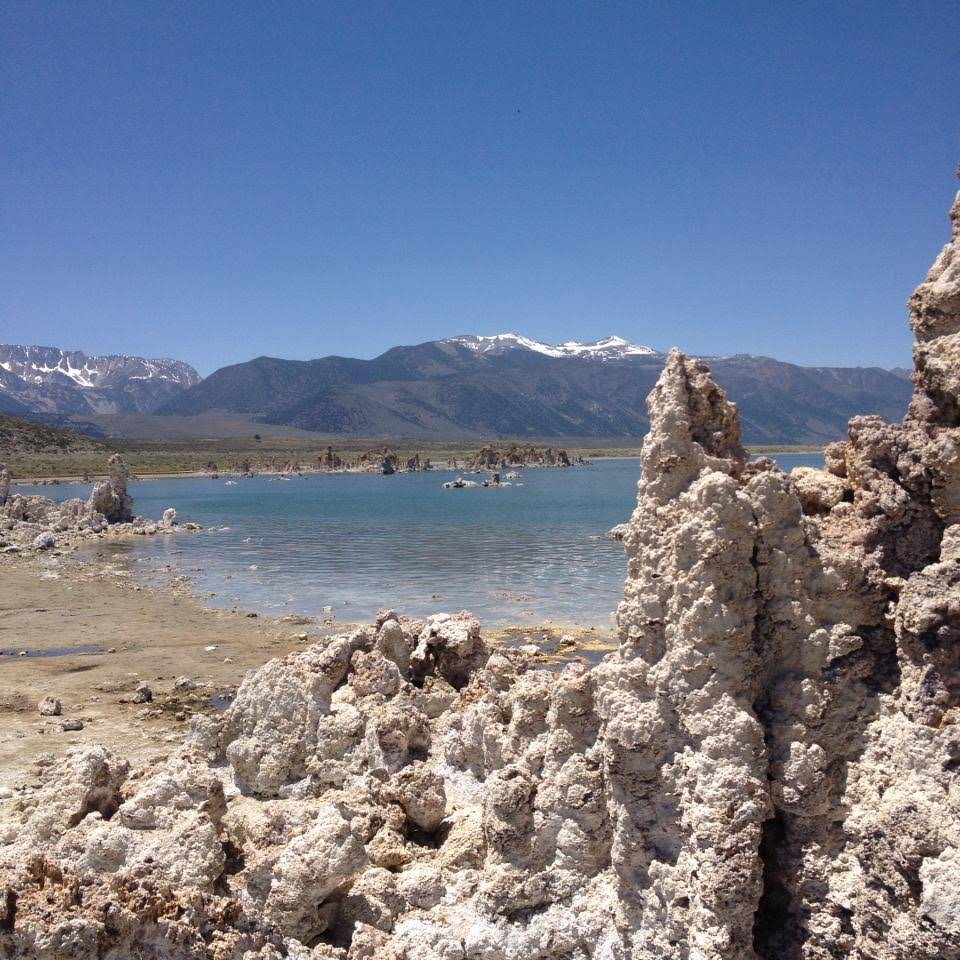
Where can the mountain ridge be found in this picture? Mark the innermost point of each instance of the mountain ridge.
(467, 386)
(52, 381)
(510, 385)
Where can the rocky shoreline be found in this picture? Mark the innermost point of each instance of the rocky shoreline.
(38, 524)
(86, 628)
(765, 768)
(88, 632)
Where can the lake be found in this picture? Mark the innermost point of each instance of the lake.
(526, 554)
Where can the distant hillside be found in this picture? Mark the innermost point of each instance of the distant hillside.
(9, 405)
(19, 436)
(508, 385)
(56, 382)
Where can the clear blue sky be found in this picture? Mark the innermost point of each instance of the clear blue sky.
(214, 181)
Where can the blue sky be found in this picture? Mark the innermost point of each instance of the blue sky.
(214, 181)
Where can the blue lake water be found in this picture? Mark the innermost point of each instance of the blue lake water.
(527, 554)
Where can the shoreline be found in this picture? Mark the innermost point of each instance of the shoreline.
(306, 472)
(71, 479)
(91, 632)
(87, 631)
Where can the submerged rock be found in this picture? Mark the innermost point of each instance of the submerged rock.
(766, 768)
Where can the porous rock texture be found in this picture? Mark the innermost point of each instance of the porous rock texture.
(5, 480)
(767, 768)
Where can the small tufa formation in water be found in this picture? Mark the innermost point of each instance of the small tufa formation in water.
(330, 460)
(766, 768)
(43, 524)
(383, 461)
(109, 497)
(495, 458)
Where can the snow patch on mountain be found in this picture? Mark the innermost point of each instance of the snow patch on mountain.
(45, 363)
(503, 341)
(609, 348)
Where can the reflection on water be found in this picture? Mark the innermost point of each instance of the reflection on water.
(530, 553)
(83, 648)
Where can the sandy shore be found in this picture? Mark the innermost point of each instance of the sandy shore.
(127, 633)
(88, 632)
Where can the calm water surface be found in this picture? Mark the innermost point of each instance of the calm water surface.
(526, 554)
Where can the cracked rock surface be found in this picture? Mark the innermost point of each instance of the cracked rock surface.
(767, 767)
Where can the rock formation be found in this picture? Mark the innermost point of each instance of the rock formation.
(767, 767)
(110, 496)
(42, 523)
(383, 461)
(496, 458)
(330, 460)
(5, 480)
(935, 320)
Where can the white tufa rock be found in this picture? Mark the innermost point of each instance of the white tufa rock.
(43, 524)
(44, 541)
(109, 497)
(50, 707)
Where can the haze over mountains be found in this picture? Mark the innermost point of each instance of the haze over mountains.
(462, 387)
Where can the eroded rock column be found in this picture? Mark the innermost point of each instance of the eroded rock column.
(685, 755)
(110, 496)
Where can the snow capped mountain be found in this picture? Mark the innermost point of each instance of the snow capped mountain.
(50, 380)
(514, 386)
(41, 364)
(609, 348)
(501, 342)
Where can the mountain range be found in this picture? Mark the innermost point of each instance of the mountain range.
(510, 385)
(47, 380)
(462, 387)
